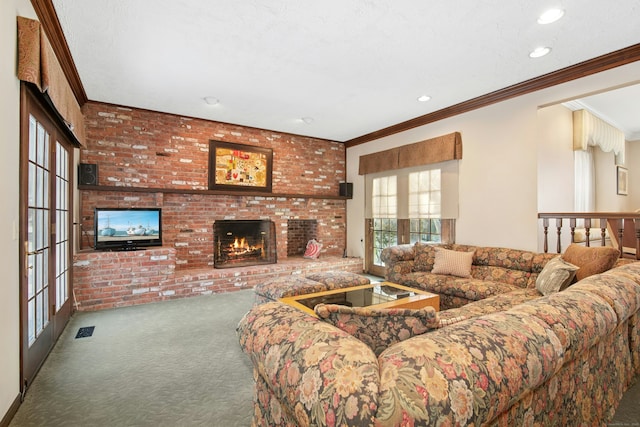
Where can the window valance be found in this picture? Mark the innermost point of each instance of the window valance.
(589, 130)
(434, 150)
(38, 64)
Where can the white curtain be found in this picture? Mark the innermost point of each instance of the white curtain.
(585, 183)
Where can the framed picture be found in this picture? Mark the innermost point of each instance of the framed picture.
(622, 181)
(239, 167)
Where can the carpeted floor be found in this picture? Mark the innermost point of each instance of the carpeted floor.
(175, 363)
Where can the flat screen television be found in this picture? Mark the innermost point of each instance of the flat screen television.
(127, 228)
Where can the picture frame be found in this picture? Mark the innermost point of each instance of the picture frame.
(242, 167)
(622, 181)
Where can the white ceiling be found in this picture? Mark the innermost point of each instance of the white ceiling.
(351, 66)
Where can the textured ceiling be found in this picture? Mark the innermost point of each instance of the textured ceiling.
(351, 67)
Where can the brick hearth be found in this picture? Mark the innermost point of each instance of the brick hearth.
(118, 279)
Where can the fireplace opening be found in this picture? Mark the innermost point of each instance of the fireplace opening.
(240, 243)
(299, 232)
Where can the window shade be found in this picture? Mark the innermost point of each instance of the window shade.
(38, 64)
(434, 150)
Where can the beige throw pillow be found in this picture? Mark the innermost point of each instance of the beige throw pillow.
(556, 275)
(455, 263)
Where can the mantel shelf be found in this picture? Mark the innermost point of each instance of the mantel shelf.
(206, 192)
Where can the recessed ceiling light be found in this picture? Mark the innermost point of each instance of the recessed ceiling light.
(424, 98)
(551, 15)
(539, 51)
(211, 100)
(307, 120)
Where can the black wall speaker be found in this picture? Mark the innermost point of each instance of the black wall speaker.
(87, 174)
(346, 189)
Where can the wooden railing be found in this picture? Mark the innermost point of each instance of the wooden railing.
(624, 229)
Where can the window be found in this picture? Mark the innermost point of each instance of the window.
(408, 206)
(424, 206)
(384, 202)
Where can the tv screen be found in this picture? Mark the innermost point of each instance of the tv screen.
(127, 228)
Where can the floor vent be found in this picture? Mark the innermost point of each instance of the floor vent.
(84, 332)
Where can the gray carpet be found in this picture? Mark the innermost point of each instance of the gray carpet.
(175, 363)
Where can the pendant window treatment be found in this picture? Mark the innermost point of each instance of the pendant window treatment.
(434, 150)
(589, 130)
(38, 64)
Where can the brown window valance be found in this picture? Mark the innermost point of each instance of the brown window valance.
(38, 64)
(434, 150)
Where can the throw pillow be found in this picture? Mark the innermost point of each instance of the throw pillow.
(313, 249)
(556, 275)
(379, 327)
(591, 260)
(455, 263)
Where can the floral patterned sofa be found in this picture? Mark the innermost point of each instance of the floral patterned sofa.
(561, 359)
(493, 271)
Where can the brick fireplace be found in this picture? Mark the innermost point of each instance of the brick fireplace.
(151, 159)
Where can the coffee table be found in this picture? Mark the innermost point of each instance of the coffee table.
(378, 295)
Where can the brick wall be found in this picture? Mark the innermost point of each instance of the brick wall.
(145, 149)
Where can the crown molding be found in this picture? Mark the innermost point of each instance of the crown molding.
(49, 20)
(592, 66)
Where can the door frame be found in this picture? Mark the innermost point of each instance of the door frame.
(34, 102)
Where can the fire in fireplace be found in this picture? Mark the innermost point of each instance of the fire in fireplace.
(240, 243)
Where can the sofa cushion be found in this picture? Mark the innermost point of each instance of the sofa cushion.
(379, 327)
(509, 276)
(288, 286)
(425, 254)
(500, 302)
(336, 279)
(591, 260)
(512, 259)
(455, 263)
(471, 289)
(555, 276)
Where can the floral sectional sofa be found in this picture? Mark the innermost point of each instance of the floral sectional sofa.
(561, 359)
(490, 271)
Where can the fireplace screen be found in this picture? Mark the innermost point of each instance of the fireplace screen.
(239, 243)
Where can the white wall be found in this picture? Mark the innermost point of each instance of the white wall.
(556, 179)
(499, 171)
(9, 172)
(633, 164)
(607, 199)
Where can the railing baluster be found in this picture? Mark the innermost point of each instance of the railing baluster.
(559, 227)
(587, 228)
(603, 231)
(620, 223)
(572, 225)
(637, 223)
(545, 225)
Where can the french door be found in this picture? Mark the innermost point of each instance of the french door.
(45, 232)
